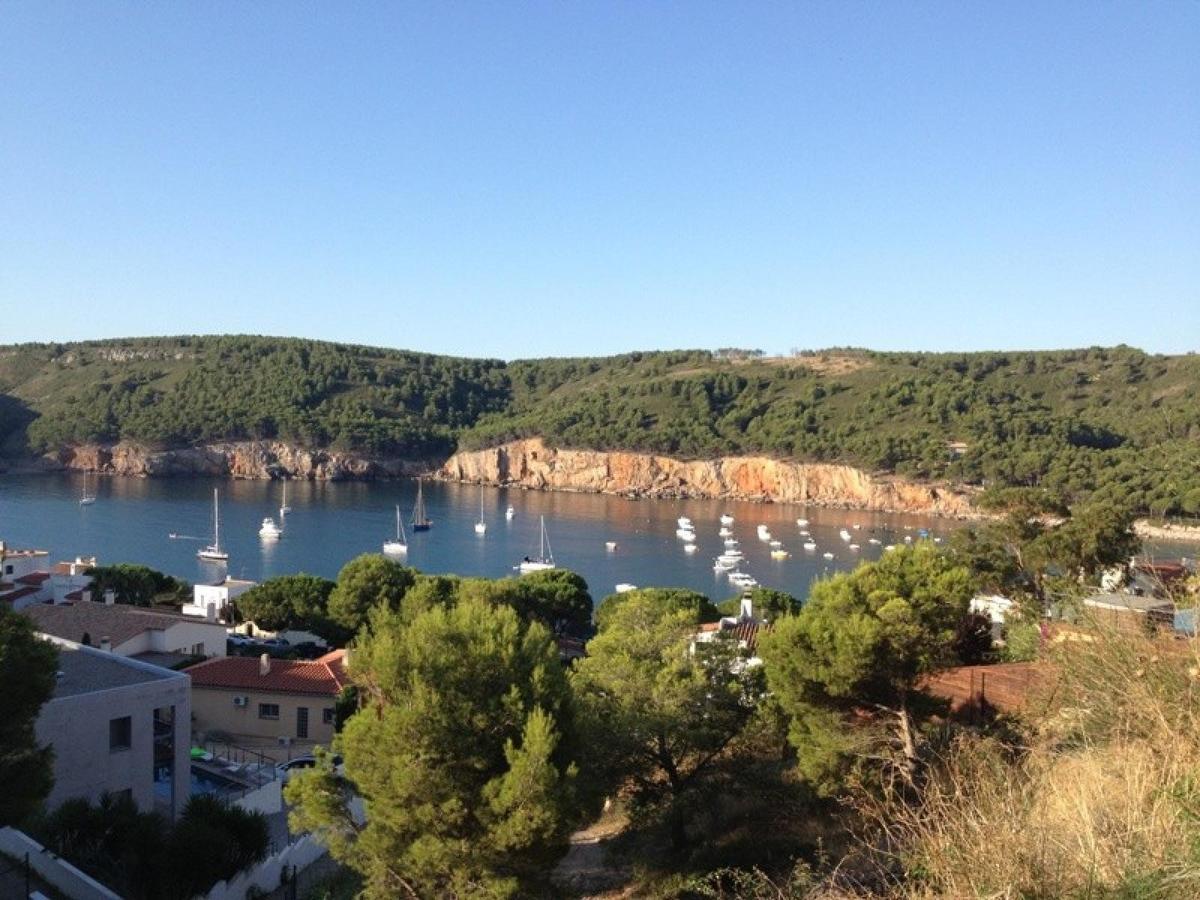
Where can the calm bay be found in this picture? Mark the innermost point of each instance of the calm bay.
(331, 522)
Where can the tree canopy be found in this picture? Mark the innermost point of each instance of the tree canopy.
(1113, 423)
(859, 645)
(367, 582)
(292, 602)
(656, 710)
(27, 670)
(462, 752)
(138, 585)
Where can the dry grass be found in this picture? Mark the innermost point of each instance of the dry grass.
(1103, 801)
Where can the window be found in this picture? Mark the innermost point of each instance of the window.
(302, 722)
(268, 710)
(327, 715)
(120, 733)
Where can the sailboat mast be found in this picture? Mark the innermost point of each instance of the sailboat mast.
(216, 521)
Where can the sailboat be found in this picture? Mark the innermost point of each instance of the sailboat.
(213, 551)
(86, 499)
(400, 544)
(545, 558)
(480, 526)
(420, 521)
(284, 509)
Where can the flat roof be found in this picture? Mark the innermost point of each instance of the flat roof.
(86, 670)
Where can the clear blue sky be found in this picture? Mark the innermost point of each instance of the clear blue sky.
(557, 178)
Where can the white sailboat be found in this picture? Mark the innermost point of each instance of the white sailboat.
(284, 509)
(85, 498)
(481, 526)
(213, 552)
(400, 544)
(509, 513)
(545, 558)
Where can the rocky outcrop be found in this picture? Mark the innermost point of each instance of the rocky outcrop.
(236, 459)
(532, 464)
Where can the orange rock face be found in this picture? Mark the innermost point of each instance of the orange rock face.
(531, 464)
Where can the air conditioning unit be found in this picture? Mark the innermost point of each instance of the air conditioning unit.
(240, 701)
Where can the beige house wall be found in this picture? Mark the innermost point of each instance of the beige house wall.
(213, 709)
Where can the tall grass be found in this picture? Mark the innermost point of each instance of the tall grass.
(1101, 799)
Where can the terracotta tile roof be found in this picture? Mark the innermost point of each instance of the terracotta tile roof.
(325, 676)
(1005, 686)
(18, 594)
(119, 622)
(34, 578)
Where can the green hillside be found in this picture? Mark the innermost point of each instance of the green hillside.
(1116, 421)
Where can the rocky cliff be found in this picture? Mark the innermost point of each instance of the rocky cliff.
(236, 459)
(531, 464)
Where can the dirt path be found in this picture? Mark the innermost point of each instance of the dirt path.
(586, 872)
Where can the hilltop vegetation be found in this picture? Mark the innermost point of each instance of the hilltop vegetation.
(1118, 423)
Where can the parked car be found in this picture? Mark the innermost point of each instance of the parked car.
(307, 650)
(240, 640)
(276, 643)
(287, 769)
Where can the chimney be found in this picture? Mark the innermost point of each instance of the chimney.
(264, 665)
(110, 597)
(747, 611)
(106, 645)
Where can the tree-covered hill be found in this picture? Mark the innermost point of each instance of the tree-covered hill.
(1112, 421)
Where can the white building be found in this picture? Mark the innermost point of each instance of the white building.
(117, 726)
(164, 638)
(26, 578)
(212, 600)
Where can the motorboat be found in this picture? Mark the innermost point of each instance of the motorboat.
(684, 523)
(731, 542)
(481, 526)
(725, 532)
(775, 544)
(779, 553)
(269, 530)
(625, 587)
(689, 548)
(726, 519)
(854, 547)
(874, 541)
(610, 546)
(685, 534)
(827, 555)
(844, 534)
(810, 545)
(803, 523)
(399, 545)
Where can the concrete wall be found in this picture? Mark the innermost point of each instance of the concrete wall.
(78, 729)
(54, 870)
(214, 710)
(179, 638)
(301, 853)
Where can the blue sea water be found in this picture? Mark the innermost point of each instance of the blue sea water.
(332, 522)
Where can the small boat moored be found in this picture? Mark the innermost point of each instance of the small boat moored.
(269, 530)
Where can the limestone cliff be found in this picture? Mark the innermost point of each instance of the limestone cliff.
(236, 459)
(531, 464)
